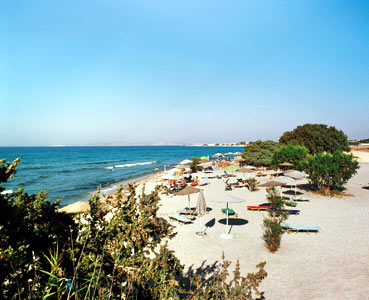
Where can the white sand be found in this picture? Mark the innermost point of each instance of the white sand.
(332, 264)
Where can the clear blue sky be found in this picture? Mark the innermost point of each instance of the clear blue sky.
(85, 72)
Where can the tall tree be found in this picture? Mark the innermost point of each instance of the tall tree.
(259, 153)
(316, 138)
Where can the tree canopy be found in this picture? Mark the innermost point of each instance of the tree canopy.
(316, 138)
(291, 154)
(327, 171)
(259, 153)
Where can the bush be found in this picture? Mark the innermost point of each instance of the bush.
(259, 153)
(291, 154)
(252, 182)
(272, 226)
(29, 227)
(194, 165)
(330, 170)
(316, 138)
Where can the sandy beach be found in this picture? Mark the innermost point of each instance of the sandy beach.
(332, 264)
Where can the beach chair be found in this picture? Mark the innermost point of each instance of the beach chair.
(231, 212)
(291, 203)
(228, 187)
(290, 227)
(300, 198)
(290, 211)
(258, 208)
(187, 211)
(179, 218)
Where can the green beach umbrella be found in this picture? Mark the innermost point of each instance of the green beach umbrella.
(231, 168)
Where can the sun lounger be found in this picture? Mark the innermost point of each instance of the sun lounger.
(231, 212)
(290, 211)
(187, 211)
(179, 218)
(290, 227)
(258, 208)
(291, 203)
(300, 198)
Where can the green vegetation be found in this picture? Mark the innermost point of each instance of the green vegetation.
(119, 251)
(364, 141)
(272, 226)
(327, 171)
(29, 227)
(316, 138)
(259, 153)
(194, 165)
(291, 154)
(252, 182)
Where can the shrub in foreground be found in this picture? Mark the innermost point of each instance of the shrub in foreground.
(272, 225)
(121, 252)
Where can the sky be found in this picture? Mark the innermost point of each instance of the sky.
(173, 72)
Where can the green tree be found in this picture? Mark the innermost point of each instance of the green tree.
(272, 226)
(316, 138)
(259, 153)
(327, 171)
(291, 154)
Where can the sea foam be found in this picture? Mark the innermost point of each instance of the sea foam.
(131, 165)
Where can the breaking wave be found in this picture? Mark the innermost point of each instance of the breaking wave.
(131, 165)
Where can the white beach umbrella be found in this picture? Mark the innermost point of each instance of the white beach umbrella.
(295, 174)
(284, 179)
(201, 209)
(185, 162)
(250, 167)
(168, 177)
(227, 198)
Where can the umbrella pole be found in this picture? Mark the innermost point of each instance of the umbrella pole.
(189, 207)
(227, 218)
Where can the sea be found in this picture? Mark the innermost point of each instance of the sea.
(73, 173)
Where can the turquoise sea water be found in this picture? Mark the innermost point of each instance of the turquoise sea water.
(75, 172)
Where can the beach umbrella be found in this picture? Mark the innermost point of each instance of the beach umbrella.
(181, 167)
(169, 177)
(231, 168)
(283, 179)
(188, 190)
(271, 183)
(204, 158)
(185, 162)
(250, 167)
(295, 174)
(217, 155)
(245, 170)
(76, 208)
(206, 164)
(227, 154)
(285, 164)
(227, 198)
(201, 209)
(237, 153)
